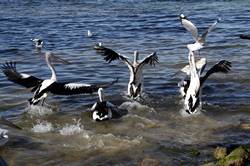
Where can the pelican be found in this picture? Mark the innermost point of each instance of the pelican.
(105, 110)
(38, 43)
(135, 85)
(192, 99)
(199, 40)
(3, 132)
(41, 88)
(222, 66)
(191, 89)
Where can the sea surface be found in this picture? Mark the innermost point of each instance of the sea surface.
(64, 132)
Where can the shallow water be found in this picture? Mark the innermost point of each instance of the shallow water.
(66, 135)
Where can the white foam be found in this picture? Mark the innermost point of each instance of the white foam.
(42, 127)
(185, 114)
(135, 105)
(36, 110)
(72, 129)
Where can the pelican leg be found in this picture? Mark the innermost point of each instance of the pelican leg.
(43, 101)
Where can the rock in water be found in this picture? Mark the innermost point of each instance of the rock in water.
(209, 164)
(238, 157)
(220, 152)
(245, 126)
(150, 162)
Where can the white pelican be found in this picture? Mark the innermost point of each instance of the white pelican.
(3, 132)
(41, 88)
(192, 96)
(222, 66)
(135, 85)
(192, 100)
(199, 40)
(38, 43)
(105, 110)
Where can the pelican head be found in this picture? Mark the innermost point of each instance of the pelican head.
(136, 56)
(101, 94)
(52, 57)
(182, 16)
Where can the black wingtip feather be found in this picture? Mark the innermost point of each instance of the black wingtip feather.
(8, 66)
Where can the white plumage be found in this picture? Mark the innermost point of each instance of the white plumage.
(135, 85)
(199, 40)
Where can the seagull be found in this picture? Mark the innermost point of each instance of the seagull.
(41, 87)
(38, 43)
(3, 132)
(199, 40)
(135, 85)
(105, 110)
(89, 33)
(222, 66)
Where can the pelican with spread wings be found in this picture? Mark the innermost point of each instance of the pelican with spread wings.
(41, 87)
(135, 85)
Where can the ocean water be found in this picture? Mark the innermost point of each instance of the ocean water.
(65, 133)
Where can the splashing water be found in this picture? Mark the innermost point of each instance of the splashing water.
(184, 113)
(72, 129)
(135, 105)
(35, 110)
(42, 127)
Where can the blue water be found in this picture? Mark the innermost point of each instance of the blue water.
(124, 26)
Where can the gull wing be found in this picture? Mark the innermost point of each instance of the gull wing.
(209, 29)
(189, 26)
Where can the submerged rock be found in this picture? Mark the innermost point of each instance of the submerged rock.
(209, 164)
(238, 157)
(195, 152)
(150, 162)
(220, 152)
(245, 126)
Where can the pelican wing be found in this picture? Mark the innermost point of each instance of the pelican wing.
(76, 88)
(222, 66)
(150, 59)
(209, 29)
(28, 81)
(189, 26)
(110, 55)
